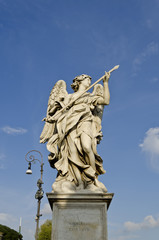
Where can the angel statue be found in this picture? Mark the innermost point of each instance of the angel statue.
(72, 131)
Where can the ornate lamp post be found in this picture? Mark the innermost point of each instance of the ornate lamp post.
(39, 194)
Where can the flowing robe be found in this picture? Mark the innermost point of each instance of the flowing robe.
(65, 144)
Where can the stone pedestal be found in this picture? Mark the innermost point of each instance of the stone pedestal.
(79, 216)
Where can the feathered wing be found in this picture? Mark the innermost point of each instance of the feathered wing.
(98, 112)
(56, 101)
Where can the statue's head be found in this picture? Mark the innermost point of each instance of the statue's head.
(78, 80)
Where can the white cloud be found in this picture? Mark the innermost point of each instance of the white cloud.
(150, 146)
(13, 131)
(6, 219)
(148, 222)
(46, 209)
(131, 230)
(151, 141)
(28, 233)
(151, 49)
(28, 230)
(124, 237)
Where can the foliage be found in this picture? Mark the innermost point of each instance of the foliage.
(10, 234)
(45, 231)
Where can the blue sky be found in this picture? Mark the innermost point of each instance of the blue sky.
(42, 41)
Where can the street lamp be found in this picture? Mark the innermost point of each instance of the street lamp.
(39, 194)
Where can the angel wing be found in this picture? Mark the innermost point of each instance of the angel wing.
(57, 100)
(98, 112)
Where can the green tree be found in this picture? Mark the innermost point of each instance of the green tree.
(10, 234)
(45, 231)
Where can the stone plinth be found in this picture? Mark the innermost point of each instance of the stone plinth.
(79, 216)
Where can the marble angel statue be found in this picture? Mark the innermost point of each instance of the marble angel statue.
(72, 131)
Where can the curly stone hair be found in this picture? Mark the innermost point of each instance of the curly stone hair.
(77, 81)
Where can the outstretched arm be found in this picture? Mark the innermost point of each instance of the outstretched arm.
(106, 94)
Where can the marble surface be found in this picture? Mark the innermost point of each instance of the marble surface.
(72, 131)
(79, 216)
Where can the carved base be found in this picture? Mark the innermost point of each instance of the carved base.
(79, 216)
(65, 186)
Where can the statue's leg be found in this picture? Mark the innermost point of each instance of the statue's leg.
(77, 173)
(73, 153)
(86, 143)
